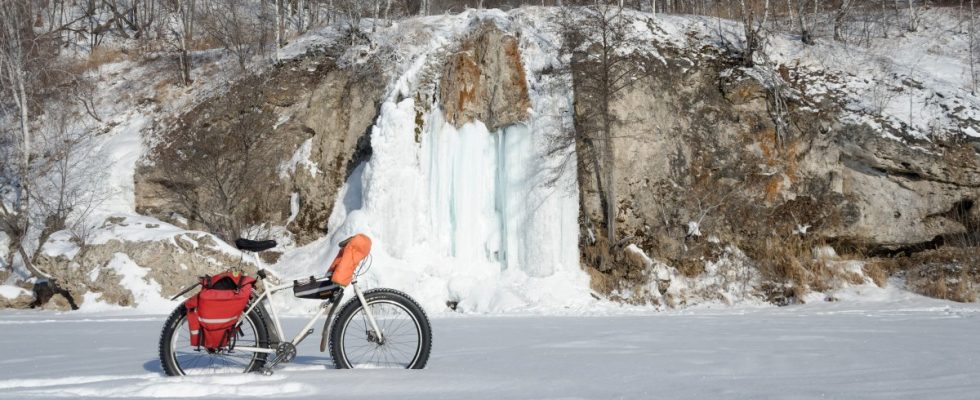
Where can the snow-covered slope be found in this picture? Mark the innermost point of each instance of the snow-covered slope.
(910, 86)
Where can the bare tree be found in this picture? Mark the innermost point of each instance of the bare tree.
(914, 17)
(753, 25)
(973, 49)
(215, 182)
(37, 196)
(281, 22)
(352, 12)
(805, 16)
(67, 178)
(18, 59)
(182, 18)
(594, 36)
(233, 24)
(840, 16)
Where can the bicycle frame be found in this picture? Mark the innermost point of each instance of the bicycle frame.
(308, 328)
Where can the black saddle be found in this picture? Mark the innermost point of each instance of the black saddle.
(254, 245)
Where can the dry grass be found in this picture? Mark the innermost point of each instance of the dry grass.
(876, 272)
(950, 273)
(958, 288)
(791, 268)
(99, 57)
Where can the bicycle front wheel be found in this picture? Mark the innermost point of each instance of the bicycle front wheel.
(406, 335)
(178, 357)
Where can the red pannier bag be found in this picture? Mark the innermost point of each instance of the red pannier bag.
(214, 311)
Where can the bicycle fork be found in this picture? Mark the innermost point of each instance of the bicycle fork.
(368, 312)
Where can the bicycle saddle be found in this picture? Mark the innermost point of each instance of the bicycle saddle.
(254, 245)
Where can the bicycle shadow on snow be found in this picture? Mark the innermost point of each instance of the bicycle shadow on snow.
(303, 362)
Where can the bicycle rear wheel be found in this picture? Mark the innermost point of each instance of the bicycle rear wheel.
(178, 357)
(406, 335)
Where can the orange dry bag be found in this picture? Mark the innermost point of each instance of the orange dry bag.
(352, 251)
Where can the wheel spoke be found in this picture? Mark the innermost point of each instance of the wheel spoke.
(192, 360)
(400, 345)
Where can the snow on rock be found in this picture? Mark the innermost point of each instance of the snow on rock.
(300, 158)
(4, 247)
(914, 86)
(134, 261)
(13, 292)
(728, 280)
(15, 297)
(145, 291)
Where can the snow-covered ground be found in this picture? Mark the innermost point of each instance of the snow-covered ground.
(910, 348)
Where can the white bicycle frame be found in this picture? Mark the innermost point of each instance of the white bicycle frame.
(308, 329)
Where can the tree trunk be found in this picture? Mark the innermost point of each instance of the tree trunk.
(839, 20)
(913, 23)
(805, 35)
(299, 16)
(973, 48)
(16, 76)
(279, 26)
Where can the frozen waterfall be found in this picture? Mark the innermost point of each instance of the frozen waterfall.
(485, 220)
(465, 215)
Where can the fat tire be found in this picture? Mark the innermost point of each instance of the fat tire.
(354, 304)
(173, 322)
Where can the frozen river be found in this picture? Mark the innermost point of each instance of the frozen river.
(926, 349)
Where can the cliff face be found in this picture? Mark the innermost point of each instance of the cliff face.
(725, 180)
(484, 80)
(308, 123)
(701, 165)
(279, 144)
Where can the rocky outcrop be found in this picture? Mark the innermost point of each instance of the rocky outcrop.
(902, 195)
(715, 177)
(19, 298)
(308, 124)
(700, 164)
(114, 268)
(304, 126)
(339, 114)
(484, 80)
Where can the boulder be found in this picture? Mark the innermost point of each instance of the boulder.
(135, 254)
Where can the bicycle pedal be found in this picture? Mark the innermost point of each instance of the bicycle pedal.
(266, 371)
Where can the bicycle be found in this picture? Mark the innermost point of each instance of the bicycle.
(393, 331)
